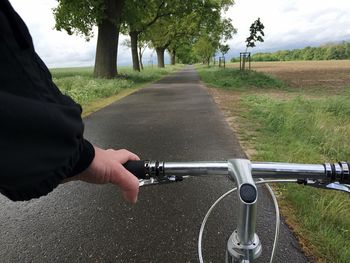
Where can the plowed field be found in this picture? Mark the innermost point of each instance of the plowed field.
(331, 75)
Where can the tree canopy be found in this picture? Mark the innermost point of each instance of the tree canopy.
(177, 26)
(256, 33)
(80, 16)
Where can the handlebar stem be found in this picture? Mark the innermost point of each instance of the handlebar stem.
(244, 243)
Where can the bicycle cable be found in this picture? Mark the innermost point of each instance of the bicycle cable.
(200, 254)
(278, 220)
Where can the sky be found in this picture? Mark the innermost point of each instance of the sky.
(288, 24)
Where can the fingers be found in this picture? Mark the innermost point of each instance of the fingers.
(107, 167)
(131, 195)
(128, 183)
(123, 156)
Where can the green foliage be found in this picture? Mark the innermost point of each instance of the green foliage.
(326, 52)
(204, 49)
(161, 33)
(224, 49)
(233, 79)
(175, 24)
(166, 24)
(78, 16)
(192, 22)
(185, 54)
(139, 15)
(225, 29)
(256, 33)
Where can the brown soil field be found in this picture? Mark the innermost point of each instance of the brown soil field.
(328, 75)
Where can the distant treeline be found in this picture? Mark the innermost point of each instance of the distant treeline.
(325, 52)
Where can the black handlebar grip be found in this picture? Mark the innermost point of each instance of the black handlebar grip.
(137, 168)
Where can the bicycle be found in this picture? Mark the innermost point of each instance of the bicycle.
(244, 245)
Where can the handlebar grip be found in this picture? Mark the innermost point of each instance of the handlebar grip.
(137, 168)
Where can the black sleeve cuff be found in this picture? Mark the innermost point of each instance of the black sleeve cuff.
(52, 179)
(86, 156)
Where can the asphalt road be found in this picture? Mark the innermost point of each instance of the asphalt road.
(174, 119)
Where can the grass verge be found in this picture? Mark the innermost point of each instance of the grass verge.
(306, 130)
(234, 79)
(93, 94)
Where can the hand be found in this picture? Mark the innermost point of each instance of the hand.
(107, 167)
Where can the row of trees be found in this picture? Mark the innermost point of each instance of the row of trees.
(325, 52)
(187, 29)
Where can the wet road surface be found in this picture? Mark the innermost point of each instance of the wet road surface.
(174, 119)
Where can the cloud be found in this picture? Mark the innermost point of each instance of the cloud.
(58, 49)
(290, 24)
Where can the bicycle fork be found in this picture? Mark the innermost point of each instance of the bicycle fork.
(244, 244)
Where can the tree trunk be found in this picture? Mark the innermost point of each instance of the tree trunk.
(173, 57)
(208, 61)
(107, 41)
(160, 56)
(135, 57)
(140, 56)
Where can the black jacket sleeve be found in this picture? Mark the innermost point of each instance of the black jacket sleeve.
(41, 130)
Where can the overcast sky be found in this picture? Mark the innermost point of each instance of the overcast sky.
(288, 24)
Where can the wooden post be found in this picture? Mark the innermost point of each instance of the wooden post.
(243, 58)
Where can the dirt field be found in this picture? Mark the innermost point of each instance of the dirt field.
(331, 75)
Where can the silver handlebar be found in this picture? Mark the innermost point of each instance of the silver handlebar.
(329, 176)
(244, 244)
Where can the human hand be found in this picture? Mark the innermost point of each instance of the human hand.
(107, 167)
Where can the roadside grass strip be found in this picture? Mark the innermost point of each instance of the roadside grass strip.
(89, 92)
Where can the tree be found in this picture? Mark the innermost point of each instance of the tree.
(347, 50)
(80, 16)
(159, 36)
(224, 49)
(184, 31)
(142, 45)
(190, 21)
(204, 48)
(169, 32)
(209, 42)
(185, 53)
(138, 15)
(256, 34)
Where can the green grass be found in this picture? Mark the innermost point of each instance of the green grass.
(79, 83)
(301, 129)
(234, 79)
(306, 130)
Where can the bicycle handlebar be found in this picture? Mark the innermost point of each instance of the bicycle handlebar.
(162, 172)
(244, 244)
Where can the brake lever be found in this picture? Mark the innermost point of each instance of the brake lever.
(325, 185)
(339, 187)
(161, 180)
